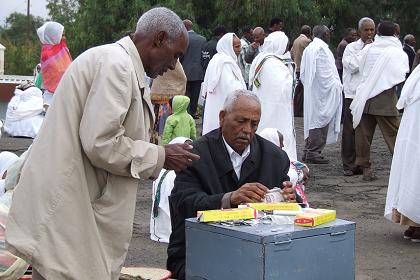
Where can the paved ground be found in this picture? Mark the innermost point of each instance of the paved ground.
(381, 252)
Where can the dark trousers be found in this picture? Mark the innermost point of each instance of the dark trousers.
(193, 92)
(315, 143)
(348, 146)
(298, 98)
(364, 135)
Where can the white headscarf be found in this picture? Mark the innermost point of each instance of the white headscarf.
(272, 135)
(225, 56)
(225, 46)
(6, 160)
(411, 90)
(50, 33)
(179, 140)
(274, 44)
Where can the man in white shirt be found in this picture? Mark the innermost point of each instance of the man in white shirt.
(383, 66)
(351, 79)
(237, 166)
(322, 96)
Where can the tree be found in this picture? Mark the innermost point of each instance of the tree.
(16, 29)
(22, 52)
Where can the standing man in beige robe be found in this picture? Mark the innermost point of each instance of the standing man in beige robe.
(73, 207)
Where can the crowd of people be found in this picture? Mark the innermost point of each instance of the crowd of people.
(251, 88)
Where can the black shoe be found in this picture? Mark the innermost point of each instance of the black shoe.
(318, 160)
(357, 170)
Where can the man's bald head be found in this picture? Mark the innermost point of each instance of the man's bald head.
(386, 28)
(259, 35)
(306, 30)
(188, 24)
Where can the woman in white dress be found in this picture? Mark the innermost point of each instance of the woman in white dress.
(271, 79)
(223, 77)
(403, 197)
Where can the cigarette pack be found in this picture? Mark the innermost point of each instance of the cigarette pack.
(315, 217)
(226, 214)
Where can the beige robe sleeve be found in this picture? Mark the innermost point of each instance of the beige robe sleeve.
(102, 132)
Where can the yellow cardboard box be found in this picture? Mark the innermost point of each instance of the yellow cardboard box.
(226, 214)
(284, 206)
(315, 217)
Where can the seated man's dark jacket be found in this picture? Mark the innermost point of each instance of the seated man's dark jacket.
(202, 185)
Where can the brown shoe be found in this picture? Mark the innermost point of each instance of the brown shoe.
(368, 175)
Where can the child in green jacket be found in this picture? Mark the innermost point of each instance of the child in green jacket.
(180, 123)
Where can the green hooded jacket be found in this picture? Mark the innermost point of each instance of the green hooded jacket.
(180, 123)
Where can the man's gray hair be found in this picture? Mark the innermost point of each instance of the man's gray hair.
(363, 20)
(161, 19)
(320, 30)
(408, 37)
(231, 99)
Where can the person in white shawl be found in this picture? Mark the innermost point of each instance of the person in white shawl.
(298, 172)
(383, 65)
(160, 217)
(403, 197)
(322, 96)
(24, 115)
(351, 79)
(223, 77)
(272, 81)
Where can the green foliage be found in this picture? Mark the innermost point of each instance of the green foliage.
(22, 49)
(16, 29)
(103, 21)
(21, 58)
(94, 22)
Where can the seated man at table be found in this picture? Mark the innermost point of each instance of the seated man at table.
(236, 166)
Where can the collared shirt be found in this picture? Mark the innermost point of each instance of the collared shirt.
(351, 75)
(236, 158)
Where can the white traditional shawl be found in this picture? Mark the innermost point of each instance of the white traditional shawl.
(225, 57)
(387, 71)
(403, 188)
(322, 94)
(275, 90)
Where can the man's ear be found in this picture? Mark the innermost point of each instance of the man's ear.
(222, 115)
(160, 38)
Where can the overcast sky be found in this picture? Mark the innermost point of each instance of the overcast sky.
(38, 8)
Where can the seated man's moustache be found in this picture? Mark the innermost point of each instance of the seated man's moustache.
(244, 136)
